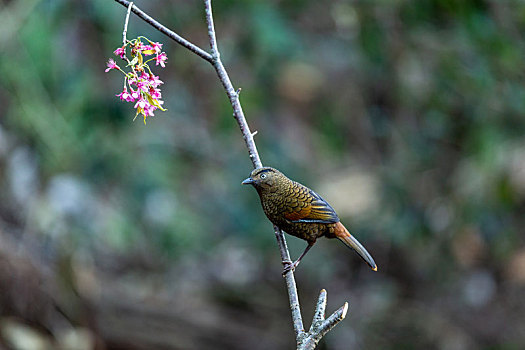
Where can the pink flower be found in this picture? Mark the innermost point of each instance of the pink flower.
(121, 51)
(142, 86)
(126, 96)
(111, 65)
(150, 109)
(134, 94)
(141, 103)
(154, 80)
(161, 59)
(154, 93)
(157, 47)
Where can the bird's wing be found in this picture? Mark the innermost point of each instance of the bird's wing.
(308, 206)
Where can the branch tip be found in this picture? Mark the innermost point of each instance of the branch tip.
(345, 310)
(320, 308)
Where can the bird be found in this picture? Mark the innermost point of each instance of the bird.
(301, 212)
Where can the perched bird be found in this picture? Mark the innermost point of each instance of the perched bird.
(300, 212)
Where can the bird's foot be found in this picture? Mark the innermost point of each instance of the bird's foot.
(289, 266)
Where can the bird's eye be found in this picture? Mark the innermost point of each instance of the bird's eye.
(263, 176)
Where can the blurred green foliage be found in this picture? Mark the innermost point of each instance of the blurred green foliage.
(408, 116)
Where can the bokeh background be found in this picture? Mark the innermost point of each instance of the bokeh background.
(407, 116)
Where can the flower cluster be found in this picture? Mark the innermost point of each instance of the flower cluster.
(140, 84)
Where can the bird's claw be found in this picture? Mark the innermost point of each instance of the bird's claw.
(289, 266)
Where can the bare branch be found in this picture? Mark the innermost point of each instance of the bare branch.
(290, 285)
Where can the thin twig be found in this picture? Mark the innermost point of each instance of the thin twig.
(211, 29)
(125, 31)
(230, 91)
(320, 326)
(332, 321)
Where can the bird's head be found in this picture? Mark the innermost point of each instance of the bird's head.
(265, 179)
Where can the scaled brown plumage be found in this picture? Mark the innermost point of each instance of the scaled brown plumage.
(301, 212)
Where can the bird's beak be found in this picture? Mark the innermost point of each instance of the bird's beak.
(248, 181)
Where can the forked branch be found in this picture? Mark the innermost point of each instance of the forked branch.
(320, 326)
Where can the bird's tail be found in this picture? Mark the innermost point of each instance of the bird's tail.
(344, 236)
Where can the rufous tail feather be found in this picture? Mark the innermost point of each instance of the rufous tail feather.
(344, 236)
